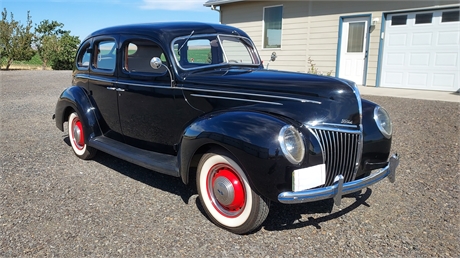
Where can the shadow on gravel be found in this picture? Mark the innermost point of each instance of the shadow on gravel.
(281, 216)
(286, 217)
(151, 178)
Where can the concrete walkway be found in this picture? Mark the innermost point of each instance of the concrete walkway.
(411, 94)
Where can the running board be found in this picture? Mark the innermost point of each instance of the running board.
(162, 163)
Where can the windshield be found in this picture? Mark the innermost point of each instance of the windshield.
(208, 50)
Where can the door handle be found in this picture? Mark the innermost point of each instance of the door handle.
(117, 89)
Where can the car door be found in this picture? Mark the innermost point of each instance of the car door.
(81, 71)
(147, 106)
(102, 84)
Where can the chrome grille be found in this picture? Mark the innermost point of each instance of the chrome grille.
(341, 153)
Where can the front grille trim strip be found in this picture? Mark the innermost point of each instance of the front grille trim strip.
(341, 151)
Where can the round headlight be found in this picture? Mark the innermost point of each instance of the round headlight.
(383, 121)
(291, 144)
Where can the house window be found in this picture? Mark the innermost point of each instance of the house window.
(273, 19)
(422, 18)
(356, 37)
(450, 16)
(398, 20)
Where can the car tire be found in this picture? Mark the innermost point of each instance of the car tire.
(77, 138)
(226, 195)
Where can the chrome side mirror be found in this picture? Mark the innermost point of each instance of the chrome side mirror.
(273, 57)
(156, 64)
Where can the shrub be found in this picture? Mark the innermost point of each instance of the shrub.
(314, 70)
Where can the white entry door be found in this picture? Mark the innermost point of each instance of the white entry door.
(353, 49)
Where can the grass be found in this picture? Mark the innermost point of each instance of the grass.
(199, 55)
(32, 64)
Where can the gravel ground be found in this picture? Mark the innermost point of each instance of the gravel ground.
(53, 204)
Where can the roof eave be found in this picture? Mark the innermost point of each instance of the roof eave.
(210, 3)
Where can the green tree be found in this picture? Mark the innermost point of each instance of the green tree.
(47, 33)
(15, 40)
(64, 56)
(48, 50)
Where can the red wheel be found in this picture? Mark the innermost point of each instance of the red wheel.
(227, 196)
(77, 138)
(226, 189)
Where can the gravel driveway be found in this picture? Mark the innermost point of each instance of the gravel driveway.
(54, 204)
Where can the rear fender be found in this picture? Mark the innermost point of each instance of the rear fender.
(76, 99)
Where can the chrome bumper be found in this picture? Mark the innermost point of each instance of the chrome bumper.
(338, 189)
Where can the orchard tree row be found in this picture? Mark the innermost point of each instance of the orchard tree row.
(20, 42)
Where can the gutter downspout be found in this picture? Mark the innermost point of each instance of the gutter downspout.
(217, 10)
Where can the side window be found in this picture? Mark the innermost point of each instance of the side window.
(137, 55)
(105, 55)
(83, 56)
(273, 21)
(197, 52)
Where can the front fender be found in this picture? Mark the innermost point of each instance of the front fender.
(376, 147)
(252, 138)
(76, 99)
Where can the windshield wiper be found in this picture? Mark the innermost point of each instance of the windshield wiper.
(183, 44)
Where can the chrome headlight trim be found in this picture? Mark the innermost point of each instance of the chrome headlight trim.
(292, 144)
(383, 121)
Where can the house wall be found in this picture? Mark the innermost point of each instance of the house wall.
(249, 17)
(310, 29)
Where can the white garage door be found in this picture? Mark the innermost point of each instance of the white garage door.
(421, 50)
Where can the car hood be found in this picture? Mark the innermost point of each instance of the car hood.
(307, 98)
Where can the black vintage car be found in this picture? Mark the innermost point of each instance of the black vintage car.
(194, 101)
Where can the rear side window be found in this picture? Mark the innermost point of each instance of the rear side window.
(105, 55)
(137, 54)
(83, 56)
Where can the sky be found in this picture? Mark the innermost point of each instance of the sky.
(82, 17)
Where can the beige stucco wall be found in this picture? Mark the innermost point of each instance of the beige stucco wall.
(310, 29)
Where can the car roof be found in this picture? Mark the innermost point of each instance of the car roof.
(167, 31)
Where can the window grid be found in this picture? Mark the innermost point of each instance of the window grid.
(273, 21)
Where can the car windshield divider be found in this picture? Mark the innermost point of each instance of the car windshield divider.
(185, 42)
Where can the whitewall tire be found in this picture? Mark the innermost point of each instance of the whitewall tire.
(77, 138)
(226, 195)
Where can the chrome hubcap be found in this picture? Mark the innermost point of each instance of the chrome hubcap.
(223, 191)
(77, 134)
(226, 190)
